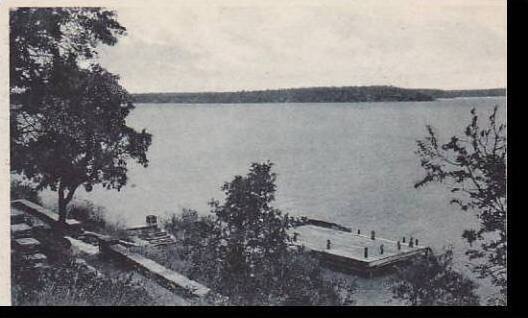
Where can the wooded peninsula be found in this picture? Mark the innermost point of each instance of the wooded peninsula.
(345, 94)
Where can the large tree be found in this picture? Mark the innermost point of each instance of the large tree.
(68, 114)
(474, 168)
(252, 232)
(248, 256)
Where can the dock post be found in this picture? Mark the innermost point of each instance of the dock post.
(359, 231)
(399, 245)
(366, 252)
(381, 249)
(372, 235)
(328, 244)
(151, 220)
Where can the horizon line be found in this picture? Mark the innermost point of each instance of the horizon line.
(304, 87)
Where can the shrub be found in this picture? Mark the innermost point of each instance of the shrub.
(93, 218)
(432, 281)
(69, 284)
(244, 251)
(21, 190)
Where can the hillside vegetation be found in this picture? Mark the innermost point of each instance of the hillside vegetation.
(315, 95)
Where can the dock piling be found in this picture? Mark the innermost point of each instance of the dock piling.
(366, 252)
(372, 235)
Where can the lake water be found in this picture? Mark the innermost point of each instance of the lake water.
(350, 163)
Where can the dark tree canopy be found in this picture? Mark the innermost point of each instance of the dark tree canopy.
(39, 37)
(431, 281)
(474, 168)
(248, 256)
(68, 113)
(252, 234)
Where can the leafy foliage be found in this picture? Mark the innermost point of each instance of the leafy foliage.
(93, 218)
(474, 167)
(23, 190)
(243, 252)
(68, 114)
(41, 36)
(69, 285)
(431, 281)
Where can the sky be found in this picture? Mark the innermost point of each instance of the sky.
(235, 45)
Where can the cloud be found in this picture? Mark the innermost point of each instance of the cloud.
(233, 47)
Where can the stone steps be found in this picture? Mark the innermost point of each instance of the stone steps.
(21, 230)
(162, 242)
(17, 217)
(37, 258)
(26, 245)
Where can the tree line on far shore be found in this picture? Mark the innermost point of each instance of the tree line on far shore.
(348, 94)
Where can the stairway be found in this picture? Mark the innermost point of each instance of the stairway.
(158, 238)
(25, 248)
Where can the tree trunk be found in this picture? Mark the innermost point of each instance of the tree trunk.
(64, 199)
(62, 204)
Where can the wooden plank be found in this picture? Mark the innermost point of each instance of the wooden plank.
(347, 248)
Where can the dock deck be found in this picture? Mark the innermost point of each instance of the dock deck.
(347, 249)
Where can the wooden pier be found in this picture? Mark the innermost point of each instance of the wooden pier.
(353, 252)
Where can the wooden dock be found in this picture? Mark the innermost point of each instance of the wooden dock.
(352, 252)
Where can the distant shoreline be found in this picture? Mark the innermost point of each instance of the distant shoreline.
(348, 94)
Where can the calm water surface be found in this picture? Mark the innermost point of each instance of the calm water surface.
(350, 163)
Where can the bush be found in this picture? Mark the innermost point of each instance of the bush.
(431, 281)
(93, 218)
(244, 251)
(69, 284)
(21, 190)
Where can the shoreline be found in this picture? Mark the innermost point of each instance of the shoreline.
(315, 102)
